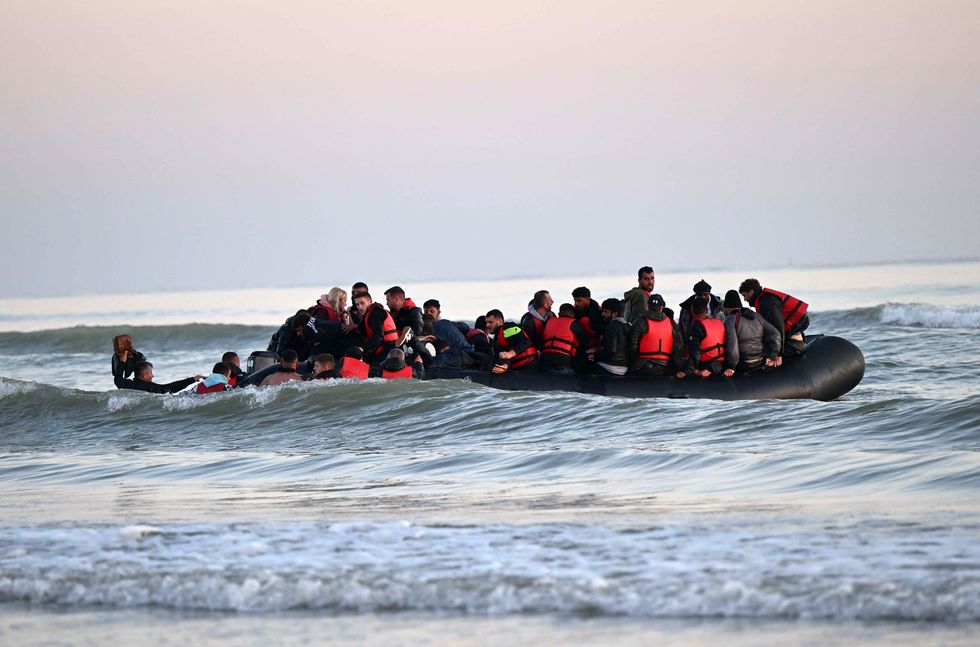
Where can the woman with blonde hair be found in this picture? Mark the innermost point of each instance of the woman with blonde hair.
(330, 306)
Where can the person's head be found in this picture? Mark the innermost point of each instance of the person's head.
(395, 298)
(122, 344)
(644, 278)
(222, 369)
(732, 302)
(337, 299)
(566, 310)
(354, 351)
(396, 355)
(581, 297)
(494, 320)
(289, 358)
(358, 287)
(144, 371)
(611, 308)
(749, 288)
(362, 301)
(699, 309)
(427, 321)
(300, 319)
(702, 291)
(481, 323)
(323, 362)
(432, 308)
(542, 300)
(656, 303)
(231, 359)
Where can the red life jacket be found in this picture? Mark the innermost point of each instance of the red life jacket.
(657, 342)
(559, 338)
(389, 333)
(353, 367)
(793, 309)
(713, 344)
(519, 360)
(233, 380)
(538, 331)
(405, 373)
(476, 332)
(217, 388)
(595, 339)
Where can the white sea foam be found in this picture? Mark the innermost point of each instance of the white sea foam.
(10, 388)
(931, 316)
(867, 573)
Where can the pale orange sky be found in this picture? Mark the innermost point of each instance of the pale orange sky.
(138, 141)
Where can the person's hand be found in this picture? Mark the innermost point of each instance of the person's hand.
(681, 375)
(779, 361)
(506, 354)
(349, 327)
(427, 338)
(704, 372)
(729, 372)
(198, 378)
(124, 356)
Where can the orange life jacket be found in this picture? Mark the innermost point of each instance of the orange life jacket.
(559, 338)
(657, 342)
(595, 339)
(353, 367)
(519, 360)
(389, 333)
(793, 309)
(405, 373)
(713, 344)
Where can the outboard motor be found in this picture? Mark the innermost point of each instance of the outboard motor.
(260, 359)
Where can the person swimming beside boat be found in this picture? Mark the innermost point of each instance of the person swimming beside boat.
(613, 357)
(656, 344)
(786, 313)
(217, 382)
(143, 381)
(286, 371)
(750, 340)
(705, 343)
(124, 357)
(235, 364)
(512, 348)
(324, 368)
(394, 367)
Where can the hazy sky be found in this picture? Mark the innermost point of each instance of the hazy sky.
(150, 145)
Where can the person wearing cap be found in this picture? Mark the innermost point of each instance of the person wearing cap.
(786, 313)
(705, 343)
(613, 357)
(656, 344)
(635, 300)
(750, 340)
(702, 292)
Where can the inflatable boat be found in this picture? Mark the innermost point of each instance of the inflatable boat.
(831, 367)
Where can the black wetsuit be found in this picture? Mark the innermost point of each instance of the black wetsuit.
(121, 369)
(153, 387)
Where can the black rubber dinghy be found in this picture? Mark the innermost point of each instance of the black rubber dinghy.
(831, 367)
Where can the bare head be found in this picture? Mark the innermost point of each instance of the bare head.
(645, 278)
(337, 298)
(362, 301)
(323, 362)
(495, 319)
(395, 298)
(432, 308)
(289, 359)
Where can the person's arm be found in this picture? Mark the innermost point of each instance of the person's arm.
(771, 340)
(731, 347)
(286, 334)
(377, 320)
(519, 340)
(527, 325)
(636, 333)
(178, 385)
(581, 336)
(694, 339)
(772, 311)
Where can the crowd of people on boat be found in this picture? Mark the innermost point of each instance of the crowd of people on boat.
(636, 335)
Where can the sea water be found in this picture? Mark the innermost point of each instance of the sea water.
(449, 513)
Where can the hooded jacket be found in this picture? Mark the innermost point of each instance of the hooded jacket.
(635, 304)
(748, 339)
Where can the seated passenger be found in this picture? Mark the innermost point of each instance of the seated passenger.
(787, 314)
(330, 306)
(452, 348)
(589, 314)
(124, 357)
(290, 334)
(324, 367)
(217, 382)
(352, 311)
(636, 299)
(235, 364)
(352, 364)
(377, 328)
(750, 340)
(143, 381)
(613, 357)
(537, 315)
(512, 348)
(656, 345)
(565, 339)
(408, 320)
(705, 343)
(477, 335)
(394, 367)
(702, 292)
(288, 362)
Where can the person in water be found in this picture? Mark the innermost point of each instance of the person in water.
(537, 315)
(656, 344)
(613, 357)
(324, 367)
(565, 341)
(394, 367)
(288, 363)
(702, 292)
(750, 340)
(786, 313)
(636, 299)
(512, 348)
(705, 343)
(124, 357)
(352, 364)
(377, 328)
(219, 380)
(143, 381)
(235, 364)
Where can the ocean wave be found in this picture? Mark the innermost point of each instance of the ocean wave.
(930, 316)
(870, 571)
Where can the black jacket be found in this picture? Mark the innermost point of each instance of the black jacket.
(374, 345)
(771, 309)
(125, 369)
(518, 342)
(594, 314)
(715, 311)
(153, 387)
(615, 343)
